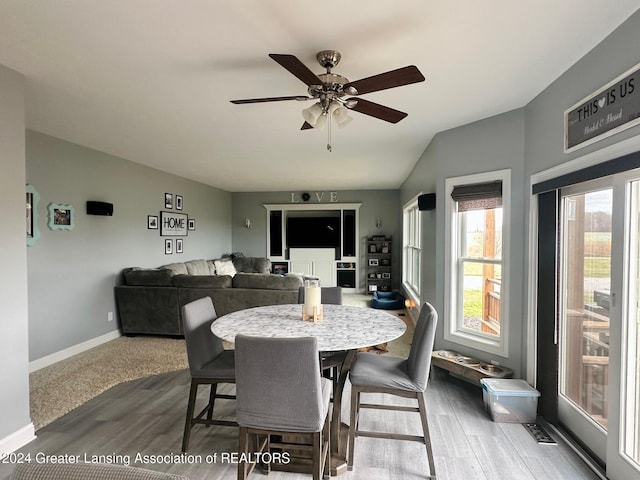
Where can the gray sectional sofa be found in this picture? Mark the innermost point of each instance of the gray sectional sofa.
(149, 300)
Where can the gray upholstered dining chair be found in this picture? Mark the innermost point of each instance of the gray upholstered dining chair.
(372, 373)
(209, 363)
(328, 295)
(280, 391)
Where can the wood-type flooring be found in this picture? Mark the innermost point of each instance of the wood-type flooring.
(145, 417)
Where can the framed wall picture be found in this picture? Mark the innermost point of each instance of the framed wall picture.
(33, 232)
(61, 217)
(168, 200)
(179, 245)
(168, 246)
(372, 248)
(152, 222)
(191, 224)
(373, 262)
(173, 224)
(178, 202)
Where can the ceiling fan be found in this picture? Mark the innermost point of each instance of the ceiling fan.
(335, 93)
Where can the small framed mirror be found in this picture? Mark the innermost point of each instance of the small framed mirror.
(61, 217)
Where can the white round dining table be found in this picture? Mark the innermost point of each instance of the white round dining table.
(343, 327)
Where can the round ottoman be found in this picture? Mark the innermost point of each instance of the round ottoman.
(387, 301)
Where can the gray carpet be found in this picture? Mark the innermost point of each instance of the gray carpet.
(59, 388)
(65, 385)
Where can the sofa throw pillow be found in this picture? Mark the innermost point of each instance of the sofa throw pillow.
(176, 268)
(198, 267)
(224, 267)
(252, 264)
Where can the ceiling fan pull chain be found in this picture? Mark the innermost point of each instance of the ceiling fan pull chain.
(329, 132)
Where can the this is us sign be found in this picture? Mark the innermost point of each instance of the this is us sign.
(613, 108)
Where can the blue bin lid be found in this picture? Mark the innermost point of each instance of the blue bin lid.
(509, 386)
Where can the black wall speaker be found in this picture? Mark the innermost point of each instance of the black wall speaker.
(99, 208)
(427, 201)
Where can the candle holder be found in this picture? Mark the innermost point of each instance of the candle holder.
(316, 316)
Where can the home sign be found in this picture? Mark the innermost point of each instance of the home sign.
(173, 224)
(611, 109)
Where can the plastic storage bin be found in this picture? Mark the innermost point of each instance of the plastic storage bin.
(509, 400)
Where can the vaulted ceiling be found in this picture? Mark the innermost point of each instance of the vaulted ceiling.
(151, 80)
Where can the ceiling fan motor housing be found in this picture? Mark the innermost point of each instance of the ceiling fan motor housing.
(332, 86)
(328, 58)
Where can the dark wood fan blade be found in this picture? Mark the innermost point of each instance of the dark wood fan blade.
(269, 99)
(382, 81)
(379, 111)
(297, 68)
(306, 126)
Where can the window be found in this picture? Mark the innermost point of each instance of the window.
(411, 249)
(476, 289)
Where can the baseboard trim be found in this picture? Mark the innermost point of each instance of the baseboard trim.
(17, 439)
(71, 351)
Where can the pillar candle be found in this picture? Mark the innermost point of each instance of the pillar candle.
(311, 299)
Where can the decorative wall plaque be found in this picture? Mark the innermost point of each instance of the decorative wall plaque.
(611, 109)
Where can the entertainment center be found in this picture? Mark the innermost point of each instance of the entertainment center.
(315, 239)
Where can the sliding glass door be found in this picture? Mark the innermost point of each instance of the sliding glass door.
(598, 321)
(585, 303)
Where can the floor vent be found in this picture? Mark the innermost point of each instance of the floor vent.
(539, 433)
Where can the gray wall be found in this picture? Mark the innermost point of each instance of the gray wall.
(375, 203)
(72, 273)
(14, 374)
(492, 144)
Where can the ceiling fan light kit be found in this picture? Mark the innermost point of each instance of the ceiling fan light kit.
(340, 115)
(312, 114)
(330, 90)
(317, 116)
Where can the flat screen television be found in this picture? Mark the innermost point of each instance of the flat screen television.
(313, 232)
